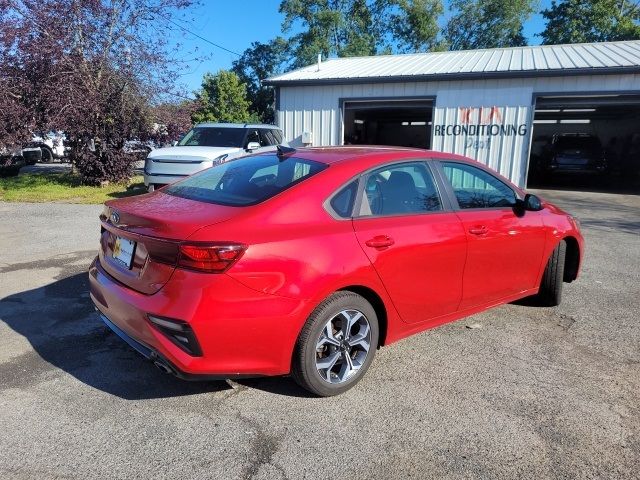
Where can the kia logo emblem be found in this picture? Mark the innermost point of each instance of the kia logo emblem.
(115, 218)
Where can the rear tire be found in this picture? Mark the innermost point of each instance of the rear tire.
(550, 293)
(327, 362)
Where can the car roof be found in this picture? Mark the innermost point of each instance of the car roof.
(237, 125)
(343, 154)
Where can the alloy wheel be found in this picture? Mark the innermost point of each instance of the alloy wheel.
(342, 346)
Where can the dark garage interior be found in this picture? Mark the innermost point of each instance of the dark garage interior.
(405, 123)
(586, 143)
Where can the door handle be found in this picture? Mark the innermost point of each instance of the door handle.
(380, 241)
(478, 230)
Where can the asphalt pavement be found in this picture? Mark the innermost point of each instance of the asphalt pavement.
(528, 392)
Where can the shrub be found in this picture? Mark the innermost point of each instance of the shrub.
(101, 165)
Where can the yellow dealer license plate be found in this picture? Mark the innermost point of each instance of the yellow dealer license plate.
(123, 250)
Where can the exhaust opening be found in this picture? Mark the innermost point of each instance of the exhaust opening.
(163, 367)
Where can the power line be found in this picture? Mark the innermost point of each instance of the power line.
(203, 39)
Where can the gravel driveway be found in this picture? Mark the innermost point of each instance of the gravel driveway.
(532, 393)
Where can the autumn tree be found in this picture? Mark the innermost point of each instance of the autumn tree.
(171, 120)
(487, 23)
(579, 21)
(222, 98)
(90, 68)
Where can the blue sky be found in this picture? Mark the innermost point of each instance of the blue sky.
(236, 24)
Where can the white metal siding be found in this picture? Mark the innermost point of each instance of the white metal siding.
(316, 109)
(503, 153)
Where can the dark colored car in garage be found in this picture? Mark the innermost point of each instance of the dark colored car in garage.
(307, 261)
(575, 153)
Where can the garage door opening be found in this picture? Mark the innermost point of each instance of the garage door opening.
(403, 123)
(586, 143)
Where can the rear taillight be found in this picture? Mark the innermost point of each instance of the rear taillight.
(209, 258)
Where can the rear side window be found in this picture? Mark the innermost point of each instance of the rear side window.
(342, 202)
(246, 181)
(475, 188)
(405, 188)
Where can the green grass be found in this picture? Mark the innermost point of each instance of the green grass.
(63, 187)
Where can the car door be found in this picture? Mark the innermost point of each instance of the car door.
(505, 246)
(413, 239)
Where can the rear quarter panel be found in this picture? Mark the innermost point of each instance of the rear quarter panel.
(297, 250)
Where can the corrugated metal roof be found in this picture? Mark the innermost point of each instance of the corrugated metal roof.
(540, 60)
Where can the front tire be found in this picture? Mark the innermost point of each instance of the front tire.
(336, 345)
(47, 155)
(550, 293)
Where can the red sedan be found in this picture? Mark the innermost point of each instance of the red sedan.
(307, 261)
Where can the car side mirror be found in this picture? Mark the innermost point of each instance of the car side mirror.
(529, 203)
(532, 203)
(174, 143)
(251, 146)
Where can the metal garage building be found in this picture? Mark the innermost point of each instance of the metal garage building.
(499, 106)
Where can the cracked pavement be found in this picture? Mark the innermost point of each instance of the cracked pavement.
(534, 392)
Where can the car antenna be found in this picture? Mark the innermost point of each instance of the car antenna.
(282, 151)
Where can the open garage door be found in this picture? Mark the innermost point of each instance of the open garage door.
(405, 122)
(586, 143)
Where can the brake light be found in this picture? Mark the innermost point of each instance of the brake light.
(210, 258)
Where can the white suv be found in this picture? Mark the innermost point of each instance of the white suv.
(205, 145)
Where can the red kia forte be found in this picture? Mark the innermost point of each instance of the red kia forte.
(306, 261)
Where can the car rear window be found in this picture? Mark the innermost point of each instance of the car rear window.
(577, 142)
(246, 181)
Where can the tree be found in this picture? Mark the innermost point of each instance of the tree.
(171, 121)
(222, 98)
(347, 28)
(415, 25)
(90, 68)
(579, 21)
(487, 23)
(258, 62)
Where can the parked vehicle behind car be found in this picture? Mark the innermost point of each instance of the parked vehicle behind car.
(205, 145)
(51, 145)
(32, 155)
(306, 261)
(11, 161)
(575, 152)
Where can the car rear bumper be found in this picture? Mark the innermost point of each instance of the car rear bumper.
(571, 168)
(242, 333)
(160, 361)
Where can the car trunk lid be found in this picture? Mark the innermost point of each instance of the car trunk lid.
(140, 236)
